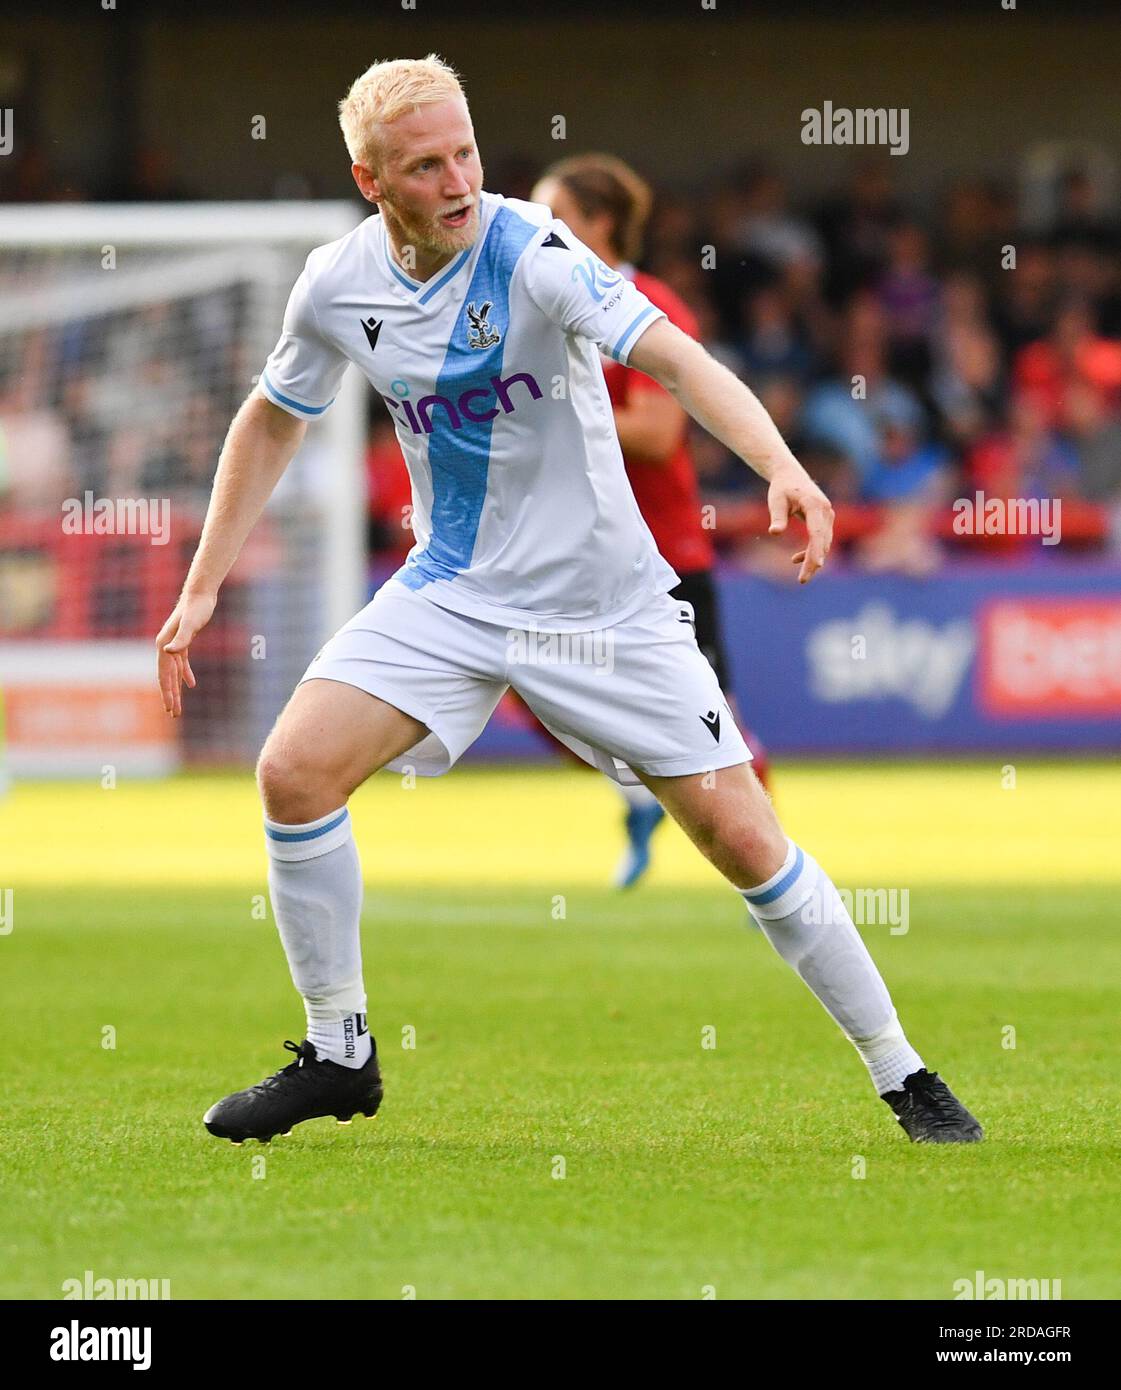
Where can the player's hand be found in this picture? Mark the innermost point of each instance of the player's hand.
(190, 616)
(794, 493)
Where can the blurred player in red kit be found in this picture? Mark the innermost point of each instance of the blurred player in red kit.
(607, 204)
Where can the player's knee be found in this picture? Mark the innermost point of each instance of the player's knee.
(293, 790)
(754, 844)
(274, 780)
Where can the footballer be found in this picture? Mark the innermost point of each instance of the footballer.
(479, 321)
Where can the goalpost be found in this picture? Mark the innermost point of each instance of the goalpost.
(129, 335)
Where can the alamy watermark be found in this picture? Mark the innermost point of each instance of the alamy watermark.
(117, 516)
(93, 1286)
(529, 647)
(982, 1287)
(1009, 516)
(867, 125)
(77, 1343)
(867, 907)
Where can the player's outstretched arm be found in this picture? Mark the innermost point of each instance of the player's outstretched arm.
(259, 446)
(720, 402)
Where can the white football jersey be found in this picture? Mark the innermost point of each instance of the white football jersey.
(522, 511)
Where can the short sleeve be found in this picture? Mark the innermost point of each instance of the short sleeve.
(304, 370)
(581, 294)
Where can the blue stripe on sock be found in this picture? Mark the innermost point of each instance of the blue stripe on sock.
(786, 882)
(289, 836)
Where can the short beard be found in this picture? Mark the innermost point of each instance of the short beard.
(432, 239)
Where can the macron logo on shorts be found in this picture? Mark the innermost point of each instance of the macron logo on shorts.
(711, 721)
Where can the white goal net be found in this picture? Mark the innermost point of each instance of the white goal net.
(129, 335)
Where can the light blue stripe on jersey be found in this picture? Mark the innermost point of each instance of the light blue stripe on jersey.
(631, 329)
(459, 459)
(287, 400)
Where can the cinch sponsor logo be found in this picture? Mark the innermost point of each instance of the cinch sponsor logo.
(464, 408)
(1051, 657)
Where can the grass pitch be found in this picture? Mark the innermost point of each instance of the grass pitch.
(558, 1129)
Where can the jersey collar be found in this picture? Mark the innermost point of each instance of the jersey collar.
(426, 290)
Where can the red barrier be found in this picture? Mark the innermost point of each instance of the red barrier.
(1083, 524)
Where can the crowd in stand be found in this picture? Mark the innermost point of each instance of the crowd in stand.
(910, 361)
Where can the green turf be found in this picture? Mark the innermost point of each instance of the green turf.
(685, 1167)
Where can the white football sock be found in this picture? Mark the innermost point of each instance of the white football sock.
(315, 883)
(803, 917)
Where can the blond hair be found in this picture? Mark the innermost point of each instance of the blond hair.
(386, 91)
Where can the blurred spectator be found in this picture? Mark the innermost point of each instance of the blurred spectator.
(907, 469)
(772, 344)
(855, 224)
(758, 238)
(1026, 296)
(1096, 434)
(1072, 354)
(672, 232)
(967, 240)
(34, 449)
(910, 480)
(1081, 218)
(711, 332)
(848, 423)
(909, 295)
(769, 230)
(966, 384)
(1024, 458)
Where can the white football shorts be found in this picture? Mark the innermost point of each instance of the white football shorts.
(637, 695)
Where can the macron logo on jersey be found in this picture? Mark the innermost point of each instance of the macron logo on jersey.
(463, 409)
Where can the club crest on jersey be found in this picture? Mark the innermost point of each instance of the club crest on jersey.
(481, 334)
